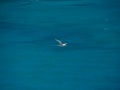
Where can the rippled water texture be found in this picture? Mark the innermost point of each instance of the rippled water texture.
(30, 59)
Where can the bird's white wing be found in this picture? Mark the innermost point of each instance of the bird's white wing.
(59, 41)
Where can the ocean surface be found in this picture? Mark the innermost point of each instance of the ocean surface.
(31, 60)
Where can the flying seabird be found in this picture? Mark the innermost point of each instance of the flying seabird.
(61, 44)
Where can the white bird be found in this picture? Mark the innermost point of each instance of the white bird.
(61, 44)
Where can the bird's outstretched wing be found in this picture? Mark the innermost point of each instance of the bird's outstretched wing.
(60, 42)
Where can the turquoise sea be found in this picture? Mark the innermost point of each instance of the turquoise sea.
(31, 60)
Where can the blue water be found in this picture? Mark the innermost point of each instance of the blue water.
(30, 59)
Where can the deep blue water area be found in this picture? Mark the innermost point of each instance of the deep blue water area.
(31, 60)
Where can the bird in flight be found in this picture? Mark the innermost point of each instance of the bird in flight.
(60, 43)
